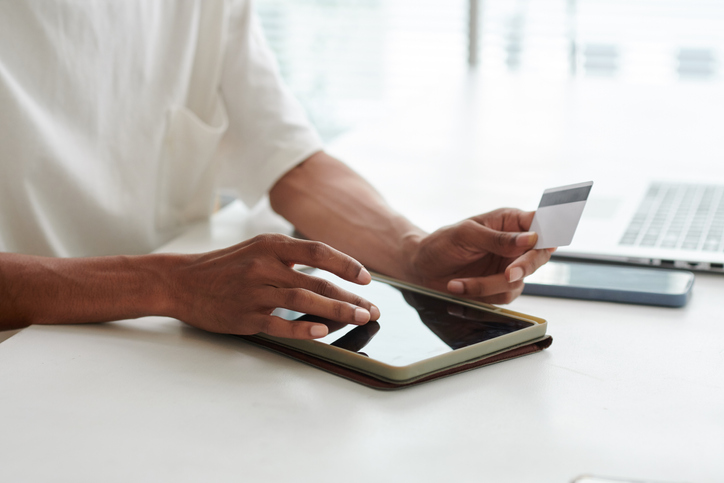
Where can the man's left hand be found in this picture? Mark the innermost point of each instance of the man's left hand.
(484, 258)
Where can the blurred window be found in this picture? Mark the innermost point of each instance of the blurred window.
(346, 60)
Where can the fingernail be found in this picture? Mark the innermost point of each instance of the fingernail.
(374, 313)
(456, 286)
(526, 239)
(516, 274)
(361, 315)
(318, 331)
(364, 276)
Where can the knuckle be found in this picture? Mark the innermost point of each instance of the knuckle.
(468, 224)
(339, 311)
(323, 287)
(510, 212)
(529, 267)
(261, 243)
(294, 298)
(268, 240)
(255, 267)
(262, 239)
(318, 251)
(351, 267)
(465, 228)
(501, 239)
(275, 237)
(265, 325)
(477, 288)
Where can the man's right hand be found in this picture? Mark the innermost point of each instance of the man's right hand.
(235, 290)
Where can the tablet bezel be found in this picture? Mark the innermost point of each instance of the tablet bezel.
(406, 373)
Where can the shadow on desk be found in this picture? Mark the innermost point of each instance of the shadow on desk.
(6, 334)
(166, 348)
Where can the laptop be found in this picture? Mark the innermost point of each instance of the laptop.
(665, 223)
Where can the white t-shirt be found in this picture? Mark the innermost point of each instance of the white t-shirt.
(119, 121)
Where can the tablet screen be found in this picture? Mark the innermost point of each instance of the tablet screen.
(413, 326)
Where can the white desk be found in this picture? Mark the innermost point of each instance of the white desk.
(624, 390)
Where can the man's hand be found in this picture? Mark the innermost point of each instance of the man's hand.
(483, 258)
(235, 290)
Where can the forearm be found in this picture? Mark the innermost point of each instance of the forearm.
(40, 290)
(327, 201)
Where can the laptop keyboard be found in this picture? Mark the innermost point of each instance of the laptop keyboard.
(683, 216)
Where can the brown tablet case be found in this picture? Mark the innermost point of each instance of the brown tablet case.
(526, 348)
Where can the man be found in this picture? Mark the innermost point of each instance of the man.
(120, 121)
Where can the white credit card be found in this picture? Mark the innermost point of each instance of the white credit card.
(558, 213)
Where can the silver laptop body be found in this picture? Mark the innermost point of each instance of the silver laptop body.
(666, 223)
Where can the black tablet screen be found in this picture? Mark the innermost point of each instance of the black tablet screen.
(412, 327)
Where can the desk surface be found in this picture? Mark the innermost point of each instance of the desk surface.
(625, 391)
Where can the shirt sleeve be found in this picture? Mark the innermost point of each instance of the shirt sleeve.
(269, 132)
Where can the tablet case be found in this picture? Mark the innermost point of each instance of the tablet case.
(526, 348)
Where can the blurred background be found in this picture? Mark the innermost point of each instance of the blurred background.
(350, 61)
(457, 107)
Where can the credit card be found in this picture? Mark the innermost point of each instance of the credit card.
(558, 213)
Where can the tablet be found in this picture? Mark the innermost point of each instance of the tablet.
(419, 332)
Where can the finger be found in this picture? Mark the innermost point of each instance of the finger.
(308, 302)
(500, 298)
(504, 298)
(507, 219)
(476, 238)
(319, 255)
(331, 291)
(278, 327)
(482, 286)
(526, 264)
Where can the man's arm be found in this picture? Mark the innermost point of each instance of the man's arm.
(326, 200)
(484, 257)
(233, 290)
(43, 290)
